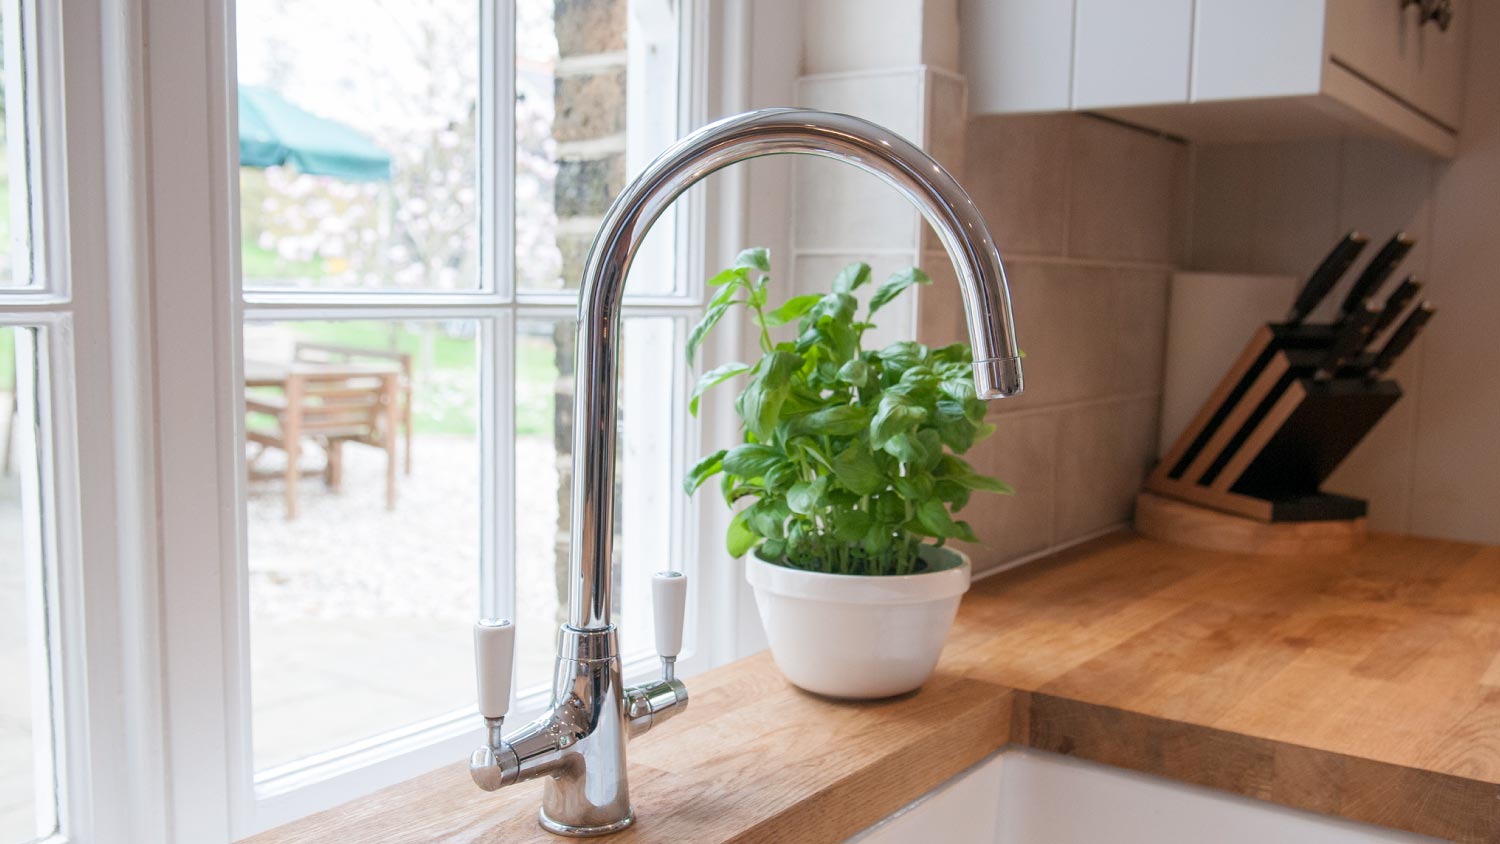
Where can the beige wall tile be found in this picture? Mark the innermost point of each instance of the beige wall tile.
(839, 206)
(944, 133)
(1103, 454)
(1140, 330)
(1124, 193)
(1022, 452)
(1296, 205)
(1223, 215)
(1016, 169)
(940, 310)
(1088, 332)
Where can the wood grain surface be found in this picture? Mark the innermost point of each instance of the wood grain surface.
(1181, 523)
(1364, 685)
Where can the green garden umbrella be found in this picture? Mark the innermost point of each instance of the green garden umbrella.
(273, 131)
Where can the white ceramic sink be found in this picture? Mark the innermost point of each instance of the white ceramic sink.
(1032, 797)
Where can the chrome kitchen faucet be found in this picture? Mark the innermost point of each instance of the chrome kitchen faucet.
(579, 744)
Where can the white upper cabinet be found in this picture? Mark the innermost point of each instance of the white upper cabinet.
(1220, 70)
(1153, 38)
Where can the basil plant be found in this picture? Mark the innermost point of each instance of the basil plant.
(850, 455)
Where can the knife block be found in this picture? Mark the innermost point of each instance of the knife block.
(1270, 434)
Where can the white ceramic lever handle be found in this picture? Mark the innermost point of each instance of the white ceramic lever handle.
(669, 599)
(494, 653)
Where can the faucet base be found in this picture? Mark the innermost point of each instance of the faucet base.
(559, 828)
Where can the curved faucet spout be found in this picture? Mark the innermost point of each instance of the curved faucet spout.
(986, 299)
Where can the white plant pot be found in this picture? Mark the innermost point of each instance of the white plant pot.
(857, 636)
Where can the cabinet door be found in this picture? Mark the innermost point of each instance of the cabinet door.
(1131, 52)
(1388, 45)
(1017, 54)
(1374, 39)
(1265, 48)
(1437, 86)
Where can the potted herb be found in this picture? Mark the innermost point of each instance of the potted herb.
(850, 466)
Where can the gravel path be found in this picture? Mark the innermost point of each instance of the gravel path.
(360, 616)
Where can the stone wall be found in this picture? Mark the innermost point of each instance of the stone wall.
(589, 127)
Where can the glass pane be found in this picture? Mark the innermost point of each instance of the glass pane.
(643, 483)
(15, 205)
(593, 106)
(358, 144)
(28, 798)
(364, 545)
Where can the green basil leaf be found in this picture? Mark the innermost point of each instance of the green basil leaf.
(878, 539)
(729, 275)
(703, 470)
(932, 515)
(713, 378)
(760, 403)
(792, 309)
(781, 478)
(893, 286)
(896, 414)
(752, 460)
(851, 277)
(956, 494)
(767, 517)
(839, 421)
(806, 498)
(899, 357)
(985, 483)
(931, 445)
(850, 526)
(915, 487)
(772, 550)
(756, 258)
(739, 539)
(965, 532)
(705, 325)
(906, 448)
(855, 468)
(856, 373)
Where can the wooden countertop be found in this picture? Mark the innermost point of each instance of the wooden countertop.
(1364, 685)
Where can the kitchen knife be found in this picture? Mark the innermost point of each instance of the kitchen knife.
(1401, 339)
(1377, 271)
(1353, 332)
(1395, 304)
(1328, 273)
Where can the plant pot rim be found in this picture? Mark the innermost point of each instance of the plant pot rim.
(885, 589)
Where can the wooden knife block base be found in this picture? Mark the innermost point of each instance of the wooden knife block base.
(1181, 523)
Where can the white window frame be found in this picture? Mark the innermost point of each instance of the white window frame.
(100, 618)
(191, 235)
(134, 241)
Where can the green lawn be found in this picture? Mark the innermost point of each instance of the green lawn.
(446, 366)
(8, 358)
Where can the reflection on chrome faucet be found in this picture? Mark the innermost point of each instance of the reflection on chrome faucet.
(580, 743)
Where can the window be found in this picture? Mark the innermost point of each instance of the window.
(416, 196)
(287, 325)
(36, 448)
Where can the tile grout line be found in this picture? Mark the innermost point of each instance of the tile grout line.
(1076, 404)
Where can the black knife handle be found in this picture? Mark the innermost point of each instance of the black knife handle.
(1328, 273)
(1378, 270)
(1352, 335)
(1403, 338)
(1395, 304)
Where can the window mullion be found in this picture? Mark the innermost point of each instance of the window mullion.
(497, 132)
